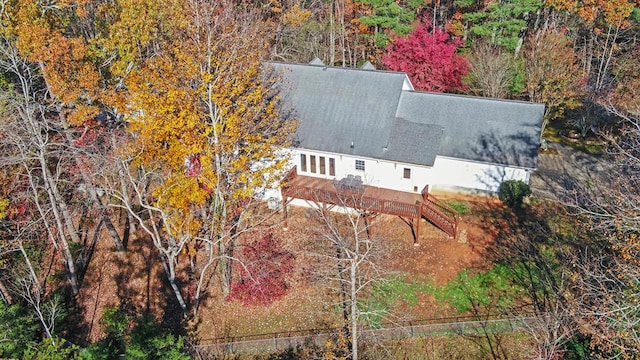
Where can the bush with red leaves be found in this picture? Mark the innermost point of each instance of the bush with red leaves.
(263, 278)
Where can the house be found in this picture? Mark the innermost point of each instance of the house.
(373, 126)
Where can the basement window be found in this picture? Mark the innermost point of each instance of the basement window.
(360, 165)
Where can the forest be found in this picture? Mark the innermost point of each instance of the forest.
(135, 136)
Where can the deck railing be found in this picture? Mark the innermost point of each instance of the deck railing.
(444, 222)
(352, 199)
(430, 208)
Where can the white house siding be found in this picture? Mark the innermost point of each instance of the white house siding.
(446, 174)
(380, 173)
(449, 173)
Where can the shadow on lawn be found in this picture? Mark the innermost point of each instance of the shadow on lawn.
(538, 243)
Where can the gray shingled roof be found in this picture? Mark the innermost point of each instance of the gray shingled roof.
(413, 143)
(367, 66)
(479, 129)
(336, 107)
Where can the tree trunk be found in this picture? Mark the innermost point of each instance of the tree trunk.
(354, 308)
(112, 230)
(168, 262)
(93, 195)
(5, 293)
(54, 196)
(223, 263)
(332, 35)
(130, 221)
(343, 291)
(57, 202)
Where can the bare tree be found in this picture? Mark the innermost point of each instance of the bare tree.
(607, 275)
(31, 144)
(24, 280)
(492, 70)
(348, 255)
(552, 72)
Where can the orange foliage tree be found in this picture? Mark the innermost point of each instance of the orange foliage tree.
(604, 22)
(53, 86)
(613, 12)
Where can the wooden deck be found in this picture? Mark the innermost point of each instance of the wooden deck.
(371, 199)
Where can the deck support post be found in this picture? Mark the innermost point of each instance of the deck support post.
(412, 225)
(285, 202)
(425, 192)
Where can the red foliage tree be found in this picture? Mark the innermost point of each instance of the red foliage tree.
(263, 276)
(428, 56)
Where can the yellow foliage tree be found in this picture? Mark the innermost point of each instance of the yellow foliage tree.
(204, 113)
(4, 205)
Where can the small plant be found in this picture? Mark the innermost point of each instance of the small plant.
(459, 206)
(492, 290)
(18, 330)
(54, 348)
(385, 293)
(134, 338)
(513, 192)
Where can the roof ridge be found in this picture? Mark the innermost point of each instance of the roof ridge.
(338, 67)
(473, 97)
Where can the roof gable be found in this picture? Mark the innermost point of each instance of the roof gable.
(413, 143)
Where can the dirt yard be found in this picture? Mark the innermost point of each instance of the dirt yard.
(135, 279)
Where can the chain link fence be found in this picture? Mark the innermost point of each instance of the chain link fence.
(285, 340)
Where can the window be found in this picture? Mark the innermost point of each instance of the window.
(360, 165)
(312, 159)
(407, 173)
(322, 165)
(303, 162)
(332, 167)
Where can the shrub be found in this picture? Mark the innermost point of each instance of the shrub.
(52, 349)
(513, 192)
(263, 278)
(146, 340)
(18, 330)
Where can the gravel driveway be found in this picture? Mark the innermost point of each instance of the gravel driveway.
(560, 168)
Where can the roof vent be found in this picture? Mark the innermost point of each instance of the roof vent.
(367, 66)
(316, 61)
